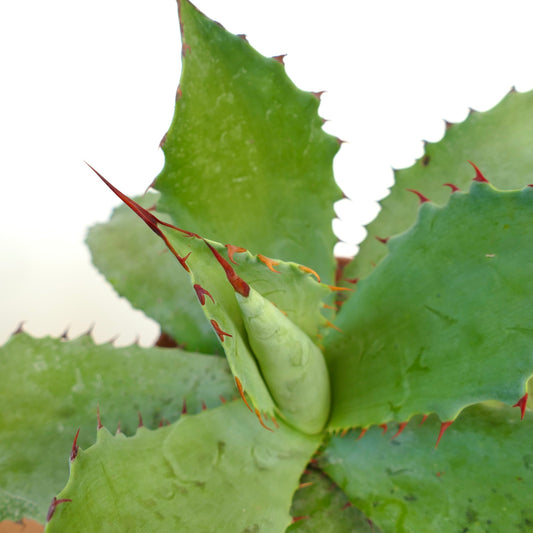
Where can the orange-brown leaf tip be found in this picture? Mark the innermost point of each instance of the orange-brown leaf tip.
(362, 434)
(423, 199)
(184, 407)
(304, 485)
(273, 418)
(401, 427)
(344, 432)
(522, 404)
(270, 263)
(346, 506)
(221, 334)
(280, 58)
(53, 505)
(202, 293)
(141, 424)
(298, 518)
(308, 270)
(242, 36)
(258, 415)
(331, 325)
(19, 329)
(453, 187)
(479, 176)
(383, 240)
(185, 49)
(98, 419)
(448, 125)
(326, 306)
(222, 399)
(317, 94)
(241, 392)
(384, 427)
(74, 451)
(424, 418)
(337, 289)
(238, 284)
(443, 427)
(234, 250)
(161, 143)
(204, 407)
(351, 280)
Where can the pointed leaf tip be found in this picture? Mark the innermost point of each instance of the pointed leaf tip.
(401, 427)
(453, 187)
(362, 434)
(258, 415)
(241, 392)
(202, 293)
(479, 176)
(53, 505)
(219, 331)
(423, 199)
(234, 250)
(522, 403)
(270, 263)
(443, 427)
(75, 447)
(238, 284)
(99, 424)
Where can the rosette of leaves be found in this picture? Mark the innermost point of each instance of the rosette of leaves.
(389, 396)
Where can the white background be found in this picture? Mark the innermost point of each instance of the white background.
(96, 81)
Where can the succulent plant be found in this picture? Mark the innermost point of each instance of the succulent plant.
(288, 391)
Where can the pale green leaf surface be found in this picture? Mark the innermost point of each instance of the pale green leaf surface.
(323, 507)
(246, 159)
(141, 269)
(50, 388)
(217, 471)
(293, 290)
(445, 320)
(479, 479)
(498, 141)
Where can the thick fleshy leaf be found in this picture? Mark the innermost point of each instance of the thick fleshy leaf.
(445, 320)
(246, 159)
(216, 271)
(480, 478)
(50, 388)
(498, 141)
(321, 506)
(215, 471)
(140, 268)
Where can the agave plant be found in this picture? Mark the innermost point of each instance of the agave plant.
(288, 391)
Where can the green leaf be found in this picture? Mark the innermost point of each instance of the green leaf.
(50, 388)
(480, 478)
(321, 506)
(246, 159)
(284, 284)
(445, 320)
(140, 268)
(214, 471)
(498, 141)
